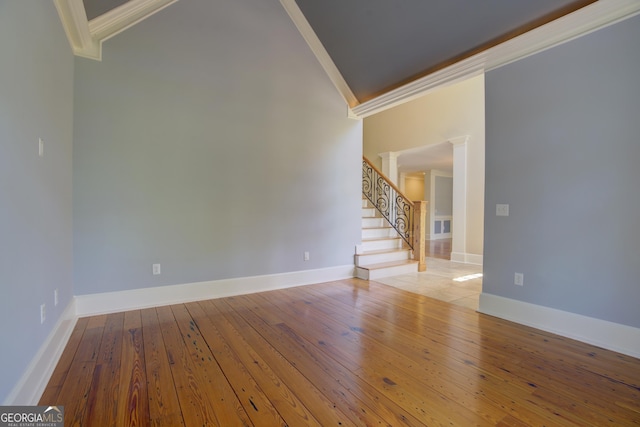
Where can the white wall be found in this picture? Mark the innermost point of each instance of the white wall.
(210, 140)
(36, 101)
(446, 113)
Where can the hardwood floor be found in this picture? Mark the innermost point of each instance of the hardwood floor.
(342, 353)
(440, 248)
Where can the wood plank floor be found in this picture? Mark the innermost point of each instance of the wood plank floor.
(336, 354)
(440, 248)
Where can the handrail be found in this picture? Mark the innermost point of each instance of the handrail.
(387, 198)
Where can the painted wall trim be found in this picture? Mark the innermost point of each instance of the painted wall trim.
(74, 21)
(86, 37)
(581, 22)
(459, 207)
(612, 336)
(124, 16)
(467, 258)
(111, 302)
(31, 385)
(320, 52)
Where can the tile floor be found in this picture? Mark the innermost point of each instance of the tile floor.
(437, 282)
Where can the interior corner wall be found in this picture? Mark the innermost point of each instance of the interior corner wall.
(36, 101)
(448, 112)
(562, 150)
(210, 140)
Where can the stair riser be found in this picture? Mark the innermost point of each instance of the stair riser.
(368, 259)
(368, 212)
(373, 222)
(365, 274)
(365, 203)
(377, 245)
(375, 233)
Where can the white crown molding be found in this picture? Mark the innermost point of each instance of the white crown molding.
(612, 336)
(598, 15)
(320, 52)
(74, 21)
(124, 16)
(86, 37)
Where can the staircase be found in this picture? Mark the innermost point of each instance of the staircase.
(382, 252)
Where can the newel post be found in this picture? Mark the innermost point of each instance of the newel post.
(419, 233)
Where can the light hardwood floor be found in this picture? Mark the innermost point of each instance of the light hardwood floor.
(336, 354)
(439, 248)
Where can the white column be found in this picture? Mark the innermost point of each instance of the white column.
(402, 184)
(390, 165)
(459, 226)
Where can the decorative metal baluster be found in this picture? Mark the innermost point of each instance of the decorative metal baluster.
(367, 180)
(388, 200)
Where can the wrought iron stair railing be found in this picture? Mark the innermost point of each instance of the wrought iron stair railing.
(394, 206)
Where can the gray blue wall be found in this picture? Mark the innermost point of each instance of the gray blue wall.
(210, 140)
(36, 101)
(563, 150)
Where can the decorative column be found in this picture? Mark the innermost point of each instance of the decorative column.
(402, 184)
(419, 233)
(459, 226)
(390, 166)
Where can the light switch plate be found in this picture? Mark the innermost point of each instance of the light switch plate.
(502, 210)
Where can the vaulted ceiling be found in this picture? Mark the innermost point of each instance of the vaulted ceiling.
(379, 44)
(372, 48)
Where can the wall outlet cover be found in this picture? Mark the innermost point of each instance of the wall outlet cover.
(518, 279)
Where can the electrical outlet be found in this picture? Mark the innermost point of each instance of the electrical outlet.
(40, 147)
(518, 279)
(55, 297)
(156, 269)
(43, 313)
(306, 256)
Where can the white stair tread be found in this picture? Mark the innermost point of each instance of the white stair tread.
(382, 265)
(384, 251)
(376, 239)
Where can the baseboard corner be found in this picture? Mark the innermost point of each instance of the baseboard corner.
(33, 381)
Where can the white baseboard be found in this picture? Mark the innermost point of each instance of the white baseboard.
(31, 385)
(467, 258)
(29, 388)
(612, 336)
(112, 302)
(439, 236)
